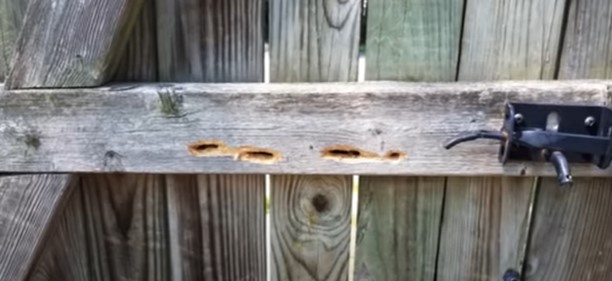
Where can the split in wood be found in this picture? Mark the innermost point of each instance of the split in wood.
(215, 148)
(349, 154)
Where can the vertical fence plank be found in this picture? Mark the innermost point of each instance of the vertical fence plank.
(517, 39)
(486, 220)
(217, 221)
(571, 237)
(399, 222)
(399, 217)
(11, 18)
(210, 41)
(218, 227)
(484, 227)
(413, 40)
(312, 41)
(310, 227)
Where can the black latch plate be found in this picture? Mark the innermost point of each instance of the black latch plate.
(572, 119)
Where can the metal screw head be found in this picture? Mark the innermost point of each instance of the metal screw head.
(589, 121)
(518, 118)
(511, 275)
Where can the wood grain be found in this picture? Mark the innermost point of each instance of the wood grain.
(115, 228)
(130, 128)
(398, 228)
(571, 238)
(11, 18)
(517, 39)
(586, 52)
(486, 220)
(138, 61)
(218, 221)
(399, 217)
(211, 40)
(484, 225)
(314, 41)
(571, 235)
(28, 207)
(413, 40)
(218, 227)
(310, 227)
(71, 51)
(65, 255)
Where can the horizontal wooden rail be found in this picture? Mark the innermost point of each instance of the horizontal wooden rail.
(332, 128)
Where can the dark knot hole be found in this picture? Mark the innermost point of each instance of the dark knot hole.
(320, 203)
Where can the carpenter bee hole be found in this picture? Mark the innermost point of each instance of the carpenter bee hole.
(395, 155)
(258, 155)
(209, 148)
(345, 153)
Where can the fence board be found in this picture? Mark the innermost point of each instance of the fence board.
(484, 228)
(88, 39)
(66, 255)
(499, 42)
(29, 204)
(399, 223)
(310, 234)
(399, 218)
(571, 235)
(11, 18)
(210, 41)
(516, 39)
(312, 41)
(219, 220)
(413, 40)
(218, 227)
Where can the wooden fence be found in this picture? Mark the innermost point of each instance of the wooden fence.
(139, 226)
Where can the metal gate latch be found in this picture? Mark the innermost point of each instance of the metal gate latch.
(560, 134)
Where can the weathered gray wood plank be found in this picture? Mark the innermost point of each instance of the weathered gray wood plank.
(219, 219)
(138, 62)
(311, 41)
(586, 48)
(211, 40)
(151, 128)
(65, 255)
(486, 219)
(218, 227)
(399, 225)
(484, 227)
(310, 227)
(112, 229)
(71, 51)
(413, 40)
(516, 39)
(11, 17)
(571, 236)
(28, 206)
(409, 40)
(314, 41)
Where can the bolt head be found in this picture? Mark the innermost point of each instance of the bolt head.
(589, 121)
